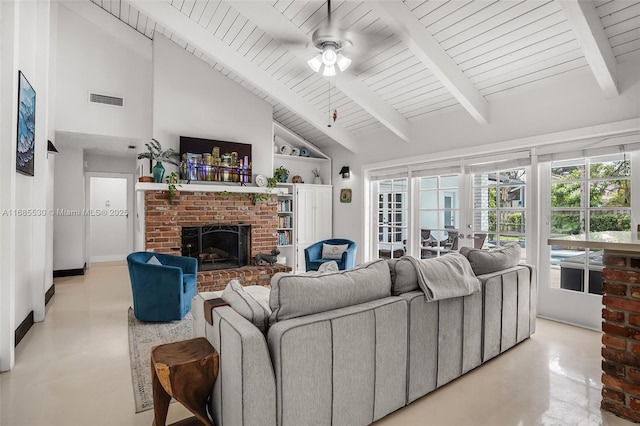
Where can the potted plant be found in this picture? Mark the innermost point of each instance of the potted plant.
(281, 174)
(155, 152)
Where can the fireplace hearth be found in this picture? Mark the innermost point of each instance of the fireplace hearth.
(217, 246)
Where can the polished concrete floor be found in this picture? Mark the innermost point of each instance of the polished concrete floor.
(73, 369)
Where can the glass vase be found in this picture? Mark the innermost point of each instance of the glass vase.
(158, 172)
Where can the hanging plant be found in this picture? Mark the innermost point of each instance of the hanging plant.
(172, 183)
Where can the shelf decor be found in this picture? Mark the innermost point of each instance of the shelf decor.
(25, 149)
(155, 152)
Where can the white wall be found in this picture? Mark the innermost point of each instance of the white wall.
(69, 230)
(89, 59)
(109, 163)
(571, 101)
(24, 42)
(96, 53)
(190, 98)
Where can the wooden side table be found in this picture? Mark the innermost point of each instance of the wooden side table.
(184, 370)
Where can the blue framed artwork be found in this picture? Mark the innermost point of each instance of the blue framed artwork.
(26, 126)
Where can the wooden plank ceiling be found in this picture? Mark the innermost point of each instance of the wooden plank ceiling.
(492, 46)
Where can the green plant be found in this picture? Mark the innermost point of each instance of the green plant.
(172, 182)
(281, 174)
(155, 152)
(272, 182)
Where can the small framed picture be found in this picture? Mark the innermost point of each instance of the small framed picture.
(345, 195)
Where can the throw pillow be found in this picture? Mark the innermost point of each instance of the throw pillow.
(153, 261)
(497, 259)
(331, 266)
(404, 277)
(294, 296)
(250, 305)
(330, 251)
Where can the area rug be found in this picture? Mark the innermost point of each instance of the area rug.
(142, 337)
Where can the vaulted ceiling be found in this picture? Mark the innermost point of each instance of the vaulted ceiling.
(410, 58)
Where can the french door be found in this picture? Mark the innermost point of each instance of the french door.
(580, 196)
(429, 215)
(392, 213)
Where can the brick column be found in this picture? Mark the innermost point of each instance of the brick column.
(621, 334)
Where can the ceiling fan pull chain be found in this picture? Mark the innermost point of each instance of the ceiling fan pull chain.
(329, 115)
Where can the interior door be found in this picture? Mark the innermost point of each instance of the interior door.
(110, 232)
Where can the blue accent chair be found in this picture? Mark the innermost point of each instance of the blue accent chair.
(162, 292)
(313, 254)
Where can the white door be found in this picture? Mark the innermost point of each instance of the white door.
(110, 233)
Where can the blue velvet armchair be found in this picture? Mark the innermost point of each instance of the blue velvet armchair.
(162, 292)
(313, 254)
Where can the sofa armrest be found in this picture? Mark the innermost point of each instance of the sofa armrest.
(245, 390)
(509, 305)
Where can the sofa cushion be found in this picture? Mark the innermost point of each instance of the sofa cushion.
(497, 259)
(294, 296)
(330, 251)
(251, 305)
(403, 276)
(153, 261)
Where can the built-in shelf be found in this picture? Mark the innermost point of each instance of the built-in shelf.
(217, 187)
(297, 157)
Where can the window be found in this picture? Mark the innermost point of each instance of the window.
(392, 217)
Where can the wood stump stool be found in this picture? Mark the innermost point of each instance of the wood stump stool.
(186, 371)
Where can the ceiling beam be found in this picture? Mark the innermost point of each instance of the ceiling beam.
(586, 24)
(279, 27)
(418, 39)
(171, 18)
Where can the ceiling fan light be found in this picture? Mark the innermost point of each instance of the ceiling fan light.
(343, 62)
(315, 63)
(329, 56)
(329, 71)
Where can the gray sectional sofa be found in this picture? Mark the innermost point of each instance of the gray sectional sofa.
(350, 347)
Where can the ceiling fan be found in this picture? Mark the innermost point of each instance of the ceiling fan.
(330, 42)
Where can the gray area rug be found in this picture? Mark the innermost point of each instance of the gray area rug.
(142, 337)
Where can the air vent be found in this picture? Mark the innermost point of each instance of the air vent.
(106, 100)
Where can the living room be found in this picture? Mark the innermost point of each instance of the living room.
(67, 50)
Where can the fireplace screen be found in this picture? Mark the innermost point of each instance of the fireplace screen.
(217, 246)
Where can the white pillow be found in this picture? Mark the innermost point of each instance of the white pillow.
(330, 251)
(330, 266)
(247, 304)
(153, 261)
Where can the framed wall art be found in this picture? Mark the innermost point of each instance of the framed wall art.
(25, 149)
(345, 195)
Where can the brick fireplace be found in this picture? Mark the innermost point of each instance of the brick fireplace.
(165, 218)
(621, 334)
